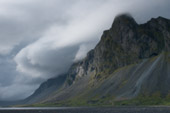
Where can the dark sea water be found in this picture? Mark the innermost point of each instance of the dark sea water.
(86, 110)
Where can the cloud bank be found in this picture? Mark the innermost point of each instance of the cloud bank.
(42, 38)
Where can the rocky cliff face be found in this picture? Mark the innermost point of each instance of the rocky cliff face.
(125, 43)
(129, 60)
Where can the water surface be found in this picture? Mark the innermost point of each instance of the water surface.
(86, 110)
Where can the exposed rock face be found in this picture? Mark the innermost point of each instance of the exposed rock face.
(125, 43)
(129, 59)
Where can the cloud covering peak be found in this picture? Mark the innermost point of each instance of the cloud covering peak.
(42, 38)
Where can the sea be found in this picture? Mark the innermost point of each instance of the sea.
(129, 109)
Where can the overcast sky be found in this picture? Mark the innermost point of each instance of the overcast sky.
(40, 39)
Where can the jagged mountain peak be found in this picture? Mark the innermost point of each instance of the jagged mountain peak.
(159, 18)
(125, 43)
(124, 16)
(129, 60)
(124, 20)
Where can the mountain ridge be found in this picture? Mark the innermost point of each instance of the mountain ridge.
(118, 66)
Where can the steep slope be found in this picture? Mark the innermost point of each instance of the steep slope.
(129, 60)
(45, 89)
(125, 43)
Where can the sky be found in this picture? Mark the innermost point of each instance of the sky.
(40, 39)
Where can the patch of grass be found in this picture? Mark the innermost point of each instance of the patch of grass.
(109, 100)
(145, 100)
(96, 100)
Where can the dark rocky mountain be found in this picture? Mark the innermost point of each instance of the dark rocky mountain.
(45, 89)
(130, 60)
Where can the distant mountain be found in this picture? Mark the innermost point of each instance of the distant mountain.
(45, 89)
(130, 62)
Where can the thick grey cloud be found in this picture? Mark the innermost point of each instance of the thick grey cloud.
(42, 38)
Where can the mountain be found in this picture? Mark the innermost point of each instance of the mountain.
(130, 62)
(45, 89)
